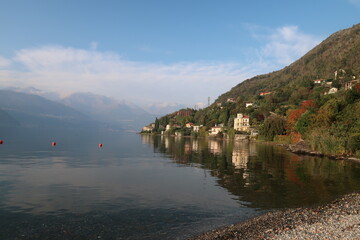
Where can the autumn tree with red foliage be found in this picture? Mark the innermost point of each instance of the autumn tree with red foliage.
(293, 117)
(306, 104)
(357, 88)
(295, 114)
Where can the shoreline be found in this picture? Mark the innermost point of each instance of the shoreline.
(339, 219)
(300, 148)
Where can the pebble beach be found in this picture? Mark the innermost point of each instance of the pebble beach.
(337, 220)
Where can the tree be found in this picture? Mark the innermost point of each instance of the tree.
(157, 124)
(230, 122)
(293, 116)
(163, 121)
(336, 84)
(211, 123)
(327, 113)
(224, 116)
(352, 95)
(354, 142)
(273, 125)
(307, 104)
(304, 122)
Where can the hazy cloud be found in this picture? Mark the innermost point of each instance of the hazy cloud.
(280, 46)
(4, 62)
(287, 44)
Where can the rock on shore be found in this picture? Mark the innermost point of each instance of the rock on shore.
(304, 148)
(337, 220)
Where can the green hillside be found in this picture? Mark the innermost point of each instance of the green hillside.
(316, 98)
(339, 51)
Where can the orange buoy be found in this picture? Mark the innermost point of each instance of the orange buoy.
(100, 145)
(1, 141)
(53, 144)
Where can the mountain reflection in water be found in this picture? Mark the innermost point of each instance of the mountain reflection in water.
(263, 175)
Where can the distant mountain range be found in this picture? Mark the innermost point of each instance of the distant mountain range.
(30, 110)
(6, 120)
(31, 90)
(108, 110)
(31, 107)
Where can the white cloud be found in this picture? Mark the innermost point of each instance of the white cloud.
(4, 62)
(286, 44)
(68, 70)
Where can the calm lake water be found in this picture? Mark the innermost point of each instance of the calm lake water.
(145, 187)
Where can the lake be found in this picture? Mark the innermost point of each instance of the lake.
(146, 187)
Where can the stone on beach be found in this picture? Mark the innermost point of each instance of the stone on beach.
(337, 220)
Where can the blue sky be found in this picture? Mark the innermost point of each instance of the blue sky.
(158, 52)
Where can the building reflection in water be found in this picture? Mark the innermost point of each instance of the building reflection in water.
(147, 139)
(195, 145)
(167, 142)
(264, 175)
(241, 152)
(187, 147)
(215, 146)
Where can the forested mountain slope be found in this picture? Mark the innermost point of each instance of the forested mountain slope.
(339, 51)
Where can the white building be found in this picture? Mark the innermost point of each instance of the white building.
(249, 104)
(242, 122)
(319, 81)
(332, 91)
(215, 130)
(196, 128)
(147, 128)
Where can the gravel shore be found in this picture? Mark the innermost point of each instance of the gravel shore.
(337, 220)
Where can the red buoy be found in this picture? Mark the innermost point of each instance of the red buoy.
(1, 141)
(53, 144)
(100, 145)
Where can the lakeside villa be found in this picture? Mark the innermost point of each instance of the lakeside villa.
(242, 123)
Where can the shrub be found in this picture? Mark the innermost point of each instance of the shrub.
(322, 140)
(354, 142)
(303, 123)
(274, 125)
(357, 154)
